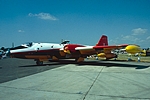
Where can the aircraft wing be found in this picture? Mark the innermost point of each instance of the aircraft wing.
(102, 49)
(96, 49)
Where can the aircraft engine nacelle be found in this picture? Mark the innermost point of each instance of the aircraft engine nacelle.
(133, 49)
(107, 55)
(102, 55)
(70, 48)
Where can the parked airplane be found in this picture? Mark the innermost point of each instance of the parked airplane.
(44, 51)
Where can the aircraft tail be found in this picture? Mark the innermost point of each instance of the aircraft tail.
(103, 41)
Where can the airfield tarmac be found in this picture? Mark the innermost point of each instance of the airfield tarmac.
(90, 80)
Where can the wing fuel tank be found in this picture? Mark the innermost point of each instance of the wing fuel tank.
(133, 49)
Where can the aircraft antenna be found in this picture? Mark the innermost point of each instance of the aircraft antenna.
(12, 44)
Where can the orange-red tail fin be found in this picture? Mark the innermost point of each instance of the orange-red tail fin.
(103, 41)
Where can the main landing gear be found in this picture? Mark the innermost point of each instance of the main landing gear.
(39, 62)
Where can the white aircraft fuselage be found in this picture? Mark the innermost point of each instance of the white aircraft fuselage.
(39, 51)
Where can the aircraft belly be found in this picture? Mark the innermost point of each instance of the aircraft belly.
(41, 54)
(88, 51)
(18, 56)
(37, 56)
(62, 53)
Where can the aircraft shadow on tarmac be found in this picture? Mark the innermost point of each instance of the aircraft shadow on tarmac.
(93, 63)
(112, 64)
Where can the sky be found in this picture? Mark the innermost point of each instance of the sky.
(80, 21)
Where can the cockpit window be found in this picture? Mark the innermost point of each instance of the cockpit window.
(18, 47)
(65, 42)
(22, 46)
(28, 44)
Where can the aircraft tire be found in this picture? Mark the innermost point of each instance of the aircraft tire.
(39, 62)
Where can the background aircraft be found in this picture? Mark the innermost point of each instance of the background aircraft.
(44, 51)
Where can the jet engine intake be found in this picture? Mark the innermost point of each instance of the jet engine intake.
(70, 48)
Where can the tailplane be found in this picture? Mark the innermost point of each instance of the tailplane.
(103, 41)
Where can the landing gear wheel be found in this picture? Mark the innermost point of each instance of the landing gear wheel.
(39, 62)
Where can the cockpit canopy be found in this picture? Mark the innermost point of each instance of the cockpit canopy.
(65, 42)
(24, 45)
(28, 44)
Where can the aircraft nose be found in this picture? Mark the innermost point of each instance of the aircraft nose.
(133, 49)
